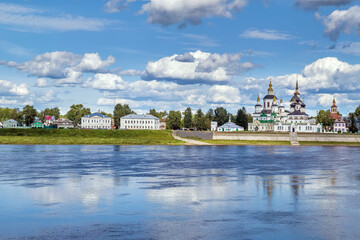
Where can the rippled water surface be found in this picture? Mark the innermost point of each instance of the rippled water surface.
(179, 192)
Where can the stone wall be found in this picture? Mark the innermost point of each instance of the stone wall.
(252, 136)
(246, 136)
(328, 137)
(195, 134)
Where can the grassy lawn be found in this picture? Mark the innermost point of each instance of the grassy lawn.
(244, 142)
(84, 137)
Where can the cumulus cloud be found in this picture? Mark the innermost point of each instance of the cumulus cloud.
(315, 4)
(30, 18)
(42, 82)
(322, 76)
(224, 94)
(342, 21)
(64, 67)
(105, 81)
(9, 88)
(203, 68)
(266, 34)
(49, 96)
(182, 12)
(325, 74)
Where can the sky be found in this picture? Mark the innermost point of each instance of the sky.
(174, 54)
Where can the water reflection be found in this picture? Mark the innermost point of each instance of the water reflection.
(179, 192)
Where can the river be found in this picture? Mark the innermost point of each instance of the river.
(179, 192)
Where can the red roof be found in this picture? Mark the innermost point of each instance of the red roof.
(48, 117)
(335, 116)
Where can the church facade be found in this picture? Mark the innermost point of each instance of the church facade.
(270, 116)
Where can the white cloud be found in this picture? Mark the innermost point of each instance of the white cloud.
(266, 34)
(33, 19)
(64, 67)
(91, 62)
(9, 88)
(42, 82)
(224, 94)
(49, 96)
(314, 4)
(7, 102)
(105, 81)
(131, 72)
(342, 21)
(182, 12)
(205, 68)
(114, 6)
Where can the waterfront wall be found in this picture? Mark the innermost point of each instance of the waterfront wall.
(195, 134)
(248, 136)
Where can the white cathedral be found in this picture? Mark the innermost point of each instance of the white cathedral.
(269, 116)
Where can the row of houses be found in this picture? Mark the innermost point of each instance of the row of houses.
(55, 123)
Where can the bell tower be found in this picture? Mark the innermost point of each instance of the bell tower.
(334, 107)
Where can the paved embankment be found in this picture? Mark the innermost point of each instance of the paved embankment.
(188, 141)
(277, 137)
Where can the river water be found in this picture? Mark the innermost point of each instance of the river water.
(179, 192)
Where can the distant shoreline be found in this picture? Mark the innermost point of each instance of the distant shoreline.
(145, 137)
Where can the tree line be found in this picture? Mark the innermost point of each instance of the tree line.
(198, 121)
(202, 121)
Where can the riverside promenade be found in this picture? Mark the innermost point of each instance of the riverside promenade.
(295, 139)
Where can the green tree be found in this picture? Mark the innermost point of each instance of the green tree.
(200, 122)
(17, 116)
(221, 116)
(324, 117)
(353, 128)
(173, 120)
(5, 114)
(29, 114)
(188, 118)
(250, 118)
(210, 115)
(242, 118)
(49, 112)
(121, 111)
(76, 112)
(159, 115)
(357, 112)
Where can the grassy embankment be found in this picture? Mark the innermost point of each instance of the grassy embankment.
(87, 137)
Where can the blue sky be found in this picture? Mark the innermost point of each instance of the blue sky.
(171, 54)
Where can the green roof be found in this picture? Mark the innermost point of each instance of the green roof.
(263, 115)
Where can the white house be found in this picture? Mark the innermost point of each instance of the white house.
(230, 127)
(134, 121)
(96, 121)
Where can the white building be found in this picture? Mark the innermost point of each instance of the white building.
(134, 121)
(271, 117)
(96, 121)
(214, 125)
(230, 127)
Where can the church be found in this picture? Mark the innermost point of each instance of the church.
(270, 116)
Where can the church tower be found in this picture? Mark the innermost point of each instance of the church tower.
(274, 107)
(281, 107)
(258, 105)
(268, 100)
(334, 107)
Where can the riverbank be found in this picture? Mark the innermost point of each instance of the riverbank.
(87, 137)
